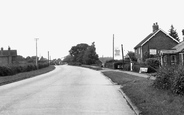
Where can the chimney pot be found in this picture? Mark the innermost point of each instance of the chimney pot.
(155, 27)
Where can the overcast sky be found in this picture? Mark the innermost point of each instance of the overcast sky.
(61, 24)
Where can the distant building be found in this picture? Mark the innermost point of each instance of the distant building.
(155, 42)
(7, 56)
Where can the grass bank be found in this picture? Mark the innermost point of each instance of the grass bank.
(20, 76)
(149, 100)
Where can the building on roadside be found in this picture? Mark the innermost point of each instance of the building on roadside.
(7, 57)
(155, 42)
(173, 56)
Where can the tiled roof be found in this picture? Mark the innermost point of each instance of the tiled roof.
(179, 47)
(8, 53)
(150, 36)
(144, 40)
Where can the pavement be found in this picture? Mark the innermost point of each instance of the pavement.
(67, 90)
(144, 75)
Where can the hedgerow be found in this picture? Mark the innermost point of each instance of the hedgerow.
(14, 69)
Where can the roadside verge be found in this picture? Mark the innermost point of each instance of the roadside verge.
(25, 75)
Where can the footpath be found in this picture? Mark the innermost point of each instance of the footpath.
(144, 75)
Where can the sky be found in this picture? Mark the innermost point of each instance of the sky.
(61, 24)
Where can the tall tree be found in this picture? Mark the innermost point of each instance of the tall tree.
(90, 55)
(78, 51)
(173, 33)
(183, 33)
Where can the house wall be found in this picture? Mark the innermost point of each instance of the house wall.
(5, 60)
(159, 42)
(138, 54)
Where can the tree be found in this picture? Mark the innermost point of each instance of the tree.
(68, 59)
(78, 51)
(132, 56)
(90, 56)
(173, 33)
(183, 33)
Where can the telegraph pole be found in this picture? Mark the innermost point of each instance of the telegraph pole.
(122, 52)
(48, 58)
(36, 39)
(122, 55)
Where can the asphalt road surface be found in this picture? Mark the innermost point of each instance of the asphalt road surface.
(67, 90)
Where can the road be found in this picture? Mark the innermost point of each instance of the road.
(67, 90)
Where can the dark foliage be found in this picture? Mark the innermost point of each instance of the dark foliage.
(170, 78)
(14, 69)
(153, 62)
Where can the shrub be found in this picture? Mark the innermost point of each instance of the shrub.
(153, 62)
(136, 68)
(126, 67)
(170, 78)
(164, 78)
(178, 81)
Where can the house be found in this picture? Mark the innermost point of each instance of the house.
(173, 56)
(7, 56)
(153, 43)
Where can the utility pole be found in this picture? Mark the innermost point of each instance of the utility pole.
(122, 52)
(36, 39)
(113, 47)
(122, 55)
(48, 58)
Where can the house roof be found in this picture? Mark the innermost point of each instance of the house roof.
(178, 48)
(8, 53)
(151, 36)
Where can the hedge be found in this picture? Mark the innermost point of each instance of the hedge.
(14, 69)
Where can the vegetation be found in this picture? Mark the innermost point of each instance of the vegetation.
(24, 75)
(171, 78)
(82, 54)
(149, 100)
(131, 55)
(173, 33)
(14, 69)
(153, 62)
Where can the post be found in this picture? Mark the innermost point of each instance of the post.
(122, 55)
(113, 47)
(48, 59)
(36, 39)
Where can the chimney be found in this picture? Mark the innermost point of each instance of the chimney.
(9, 48)
(155, 27)
(1, 51)
(9, 52)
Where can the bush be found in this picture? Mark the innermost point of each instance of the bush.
(170, 78)
(153, 62)
(164, 78)
(126, 67)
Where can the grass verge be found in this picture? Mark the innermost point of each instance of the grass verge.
(20, 76)
(149, 100)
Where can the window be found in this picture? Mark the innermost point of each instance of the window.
(153, 51)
